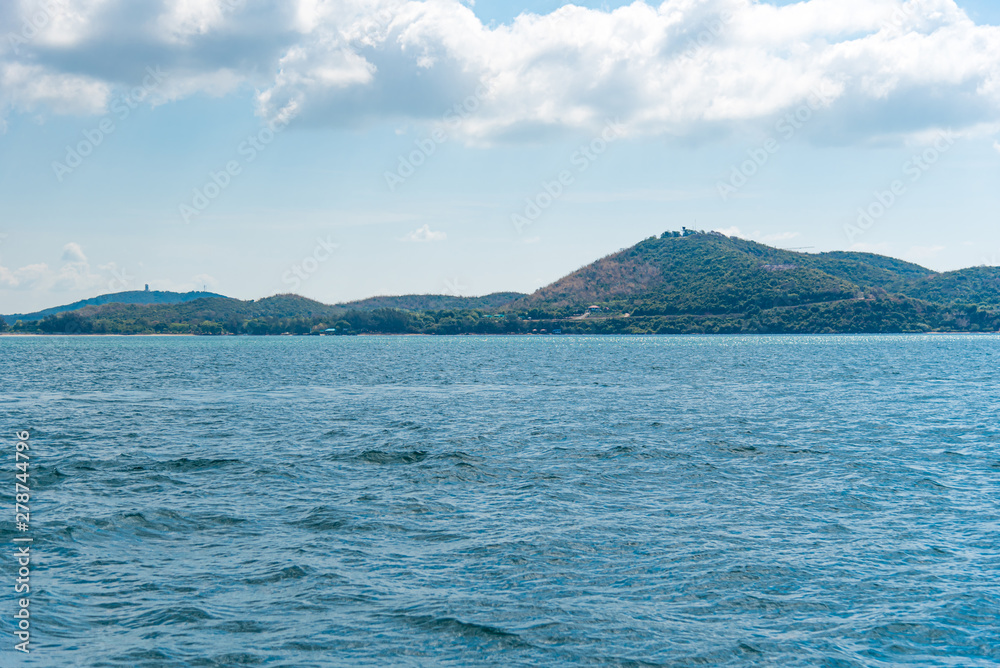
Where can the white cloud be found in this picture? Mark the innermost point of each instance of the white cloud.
(25, 278)
(73, 253)
(996, 145)
(184, 19)
(733, 232)
(73, 275)
(690, 68)
(575, 67)
(425, 233)
(30, 87)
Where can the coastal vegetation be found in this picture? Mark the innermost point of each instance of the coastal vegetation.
(678, 283)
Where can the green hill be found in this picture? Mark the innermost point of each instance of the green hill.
(680, 282)
(199, 316)
(130, 297)
(434, 302)
(700, 274)
(977, 285)
(695, 274)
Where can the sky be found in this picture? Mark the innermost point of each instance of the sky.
(341, 150)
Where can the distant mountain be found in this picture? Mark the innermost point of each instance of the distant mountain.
(700, 274)
(692, 281)
(434, 302)
(680, 282)
(206, 315)
(130, 297)
(977, 285)
(289, 306)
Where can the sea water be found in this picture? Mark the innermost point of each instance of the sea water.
(505, 501)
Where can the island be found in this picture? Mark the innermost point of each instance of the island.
(681, 282)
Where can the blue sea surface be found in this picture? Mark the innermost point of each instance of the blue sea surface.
(505, 501)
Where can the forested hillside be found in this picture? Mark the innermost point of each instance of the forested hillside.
(679, 282)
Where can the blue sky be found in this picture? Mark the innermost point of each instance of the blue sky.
(785, 124)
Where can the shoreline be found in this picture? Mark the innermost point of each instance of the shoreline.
(60, 334)
(525, 334)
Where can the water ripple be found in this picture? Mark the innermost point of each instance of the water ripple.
(620, 501)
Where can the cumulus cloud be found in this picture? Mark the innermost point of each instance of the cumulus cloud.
(31, 87)
(683, 68)
(25, 278)
(424, 234)
(73, 253)
(74, 274)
